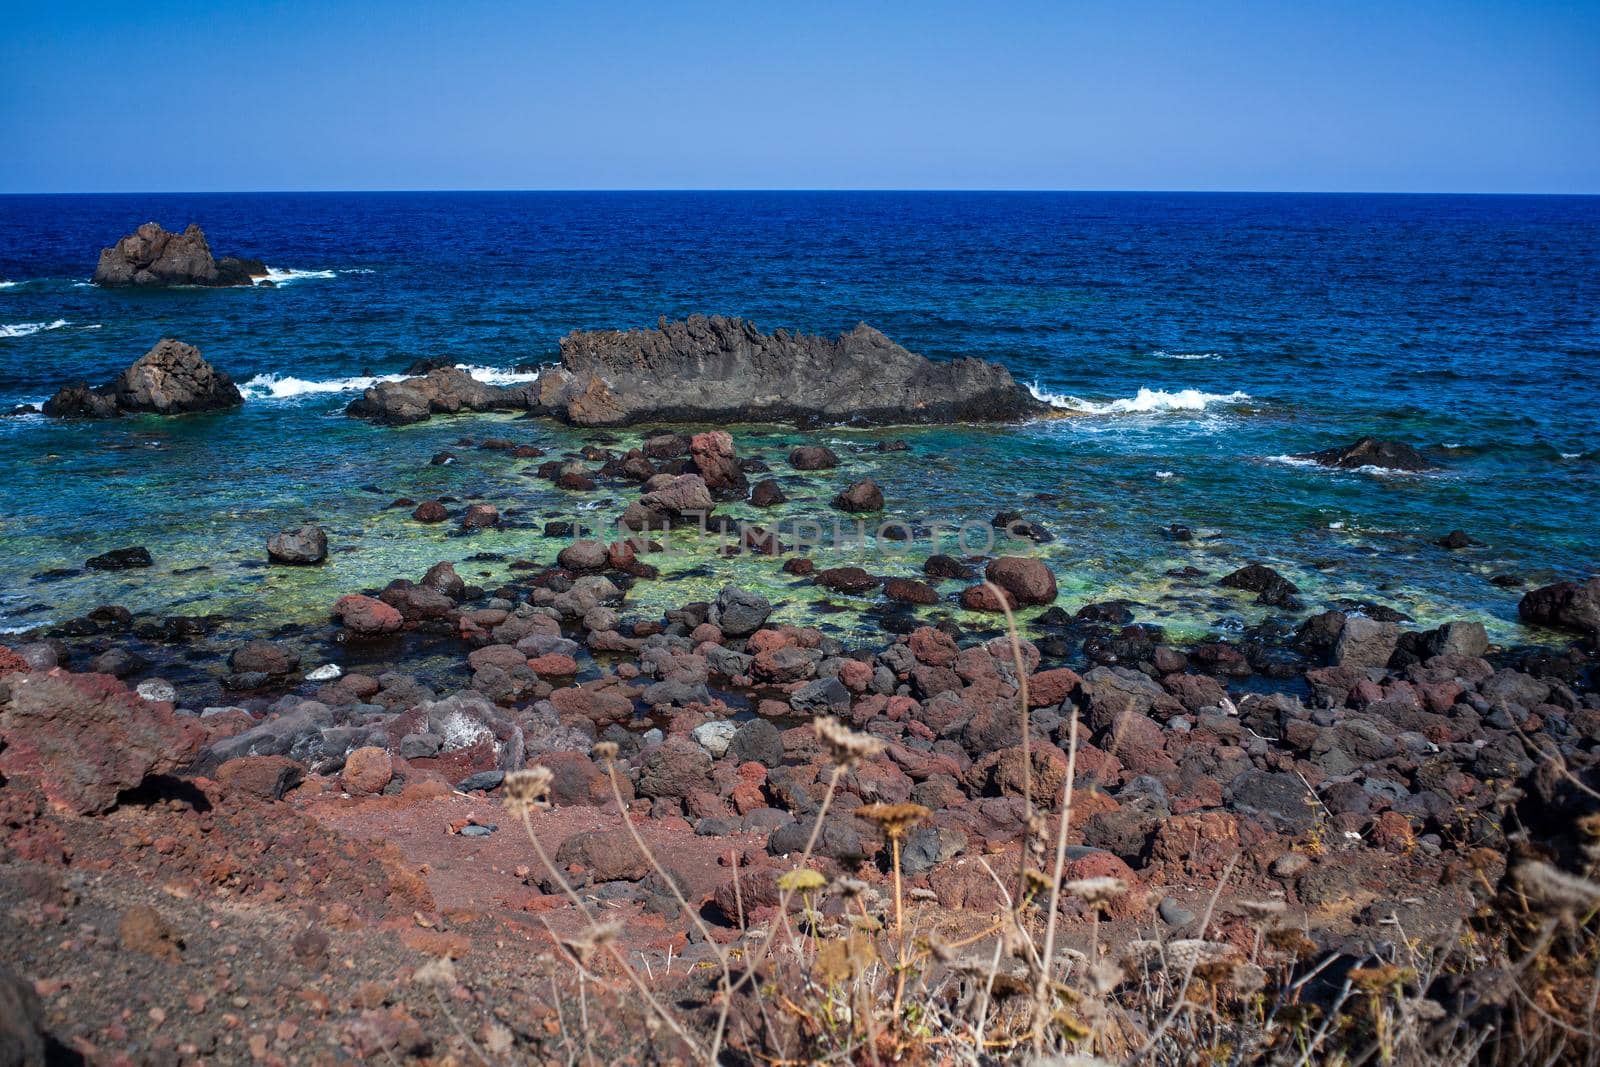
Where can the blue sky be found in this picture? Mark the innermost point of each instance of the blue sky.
(1344, 96)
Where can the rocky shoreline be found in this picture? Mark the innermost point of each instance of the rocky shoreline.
(1352, 770)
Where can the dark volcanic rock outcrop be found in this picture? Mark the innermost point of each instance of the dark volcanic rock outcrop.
(445, 391)
(170, 379)
(1371, 452)
(1564, 605)
(711, 369)
(151, 257)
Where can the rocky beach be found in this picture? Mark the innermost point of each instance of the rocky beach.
(718, 692)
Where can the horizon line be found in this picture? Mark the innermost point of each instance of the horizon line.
(819, 189)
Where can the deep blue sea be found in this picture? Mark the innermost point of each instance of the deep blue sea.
(1201, 338)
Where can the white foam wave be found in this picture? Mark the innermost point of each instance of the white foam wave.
(9, 285)
(24, 329)
(358, 270)
(286, 387)
(498, 375)
(1147, 401)
(283, 276)
(1572, 455)
(273, 386)
(1186, 356)
(1380, 472)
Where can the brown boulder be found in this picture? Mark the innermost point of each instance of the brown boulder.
(430, 511)
(1028, 580)
(714, 458)
(366, 770)
(366, 617)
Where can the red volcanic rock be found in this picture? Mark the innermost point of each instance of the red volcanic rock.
(600, 706)
(1131, 904)
(85, 737)
(1049, 688)
(846, 580)
(855, 675)
(933, 647)
(1028, 580)
(983, 598)
(910, 591)
(366, 617)
(579, 781)
(713, 457)
(366, 770)
(10, 662)
(263, 777)
(554, 664)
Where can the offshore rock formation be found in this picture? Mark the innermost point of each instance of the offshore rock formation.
(151, 257)
(721, 369)
(170, 379)
(444, 391)
(1371, 452)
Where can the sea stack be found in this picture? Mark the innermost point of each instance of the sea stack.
(151, 258)
(170, 379)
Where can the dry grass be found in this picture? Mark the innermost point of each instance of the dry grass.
(841, 974)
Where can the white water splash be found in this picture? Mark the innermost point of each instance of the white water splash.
(1146, 402)
(25, 329)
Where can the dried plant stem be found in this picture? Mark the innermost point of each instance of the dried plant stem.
(677, 895)
(1003, 598)
(1058, 871)
(633, 976)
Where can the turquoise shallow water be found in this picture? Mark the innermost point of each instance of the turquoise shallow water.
(1199, 339)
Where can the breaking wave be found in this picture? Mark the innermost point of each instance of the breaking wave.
(273, 386)
(23, 329)
(1147, 401)
(283, 276)
(1186, 356)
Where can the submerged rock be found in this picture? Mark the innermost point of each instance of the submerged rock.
(306, 543)
(862, 496)
(152, 257)
(120, 559)
(710, 369)
(1372, 452)
(170, 379)
(1270, 587)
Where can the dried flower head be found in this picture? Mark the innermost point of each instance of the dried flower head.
(801, 880)
(845, 746)
(895, 820)
(1034, 884)
(1248, 979)
(605, 752)
(1263, 909)
(440, 972)
(922, 893)
(528, 789)
(585, 945)
(848, 888)
(1096, 891)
